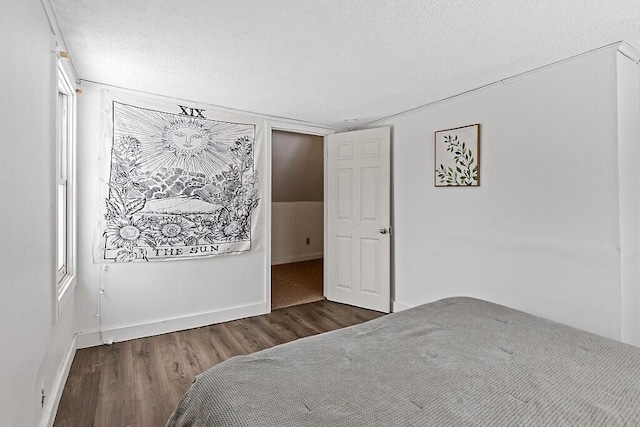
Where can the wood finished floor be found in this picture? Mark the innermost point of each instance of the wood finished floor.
(138, 383)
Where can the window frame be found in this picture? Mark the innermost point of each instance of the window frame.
(65, 168)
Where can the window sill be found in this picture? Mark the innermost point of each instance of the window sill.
(65, 293)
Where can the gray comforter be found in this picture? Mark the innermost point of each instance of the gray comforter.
(454, 362)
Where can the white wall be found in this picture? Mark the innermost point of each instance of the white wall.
(34, 344)
(297, 167)
(542, 232)
(291, 224)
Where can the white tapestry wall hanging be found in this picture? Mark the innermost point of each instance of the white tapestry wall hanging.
(181, 182)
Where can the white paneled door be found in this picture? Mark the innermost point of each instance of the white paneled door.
(359, 218)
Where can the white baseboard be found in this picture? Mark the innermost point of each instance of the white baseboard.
(398, 306)
(296, 258)
(51, 407)
(92, 339)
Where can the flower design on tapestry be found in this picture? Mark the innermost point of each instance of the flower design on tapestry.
(172, 231)
(129, 233)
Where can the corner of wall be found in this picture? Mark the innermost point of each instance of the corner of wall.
(398, 306)
(57, 387)
(629, 51)
(628, 116)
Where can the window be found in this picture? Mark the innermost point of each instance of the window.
(65, 194)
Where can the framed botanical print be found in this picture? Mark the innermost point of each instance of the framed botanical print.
(457, 157)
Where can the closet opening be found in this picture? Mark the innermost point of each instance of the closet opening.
(297, 219)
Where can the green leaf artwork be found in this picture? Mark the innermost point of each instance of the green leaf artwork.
(456, 156)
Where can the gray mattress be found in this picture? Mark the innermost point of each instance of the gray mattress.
(454, 362)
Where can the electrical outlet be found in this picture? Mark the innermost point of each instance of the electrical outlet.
(308, 240)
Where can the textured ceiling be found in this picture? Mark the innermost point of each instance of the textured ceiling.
(324, 61)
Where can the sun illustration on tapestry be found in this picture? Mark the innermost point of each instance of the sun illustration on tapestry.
(179, 186)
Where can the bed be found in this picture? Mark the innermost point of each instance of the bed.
(455, 362)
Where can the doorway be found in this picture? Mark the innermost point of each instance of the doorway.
(297, 219)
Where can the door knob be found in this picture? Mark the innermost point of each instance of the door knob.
(383, 230)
